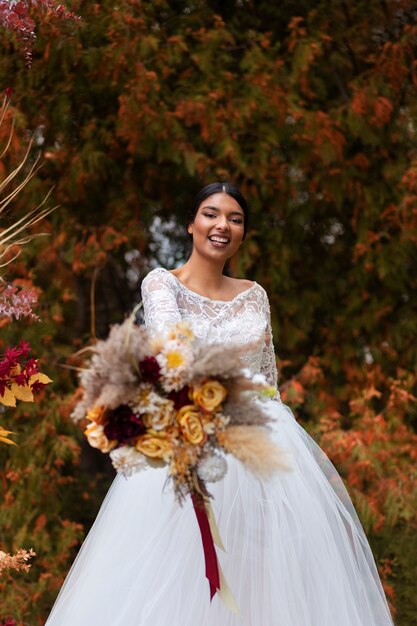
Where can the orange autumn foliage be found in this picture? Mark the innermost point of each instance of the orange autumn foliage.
(313, 113)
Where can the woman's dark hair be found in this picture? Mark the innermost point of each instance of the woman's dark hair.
(212, 188)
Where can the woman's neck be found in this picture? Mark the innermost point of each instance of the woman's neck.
(201, 274)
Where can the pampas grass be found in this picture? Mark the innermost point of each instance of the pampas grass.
(110, 378)
(253, 447)
(246, 383)
(245, 409)
(218, 360)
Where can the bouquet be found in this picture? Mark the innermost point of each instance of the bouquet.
(173, 401)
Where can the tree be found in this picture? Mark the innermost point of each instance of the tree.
(311, 111)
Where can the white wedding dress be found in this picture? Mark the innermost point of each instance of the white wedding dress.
(296, 554)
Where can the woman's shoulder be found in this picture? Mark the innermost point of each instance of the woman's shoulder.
(245, 284)
(158, 278)
(260, 293)
(238, 285)
(241, 286)
(250, 289)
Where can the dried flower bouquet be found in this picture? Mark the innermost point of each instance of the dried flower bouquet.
(172, 401)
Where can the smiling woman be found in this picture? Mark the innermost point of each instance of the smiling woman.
(295, 551)
(220, 188)
(219, 220)
(217, 225)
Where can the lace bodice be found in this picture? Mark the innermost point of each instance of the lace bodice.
(245, 319)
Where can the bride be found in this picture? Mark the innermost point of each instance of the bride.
(295, 551)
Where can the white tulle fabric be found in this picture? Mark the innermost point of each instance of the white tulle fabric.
(296, 554)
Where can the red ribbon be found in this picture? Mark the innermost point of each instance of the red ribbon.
(210, 556)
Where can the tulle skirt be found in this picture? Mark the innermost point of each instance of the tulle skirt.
(295, 551)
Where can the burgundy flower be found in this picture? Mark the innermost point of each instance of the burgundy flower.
(150, 370)
(5, 368)
(123, 425)
(21, 379)
(31, 368)
(9, 621)
(180, 398)
(12, 355)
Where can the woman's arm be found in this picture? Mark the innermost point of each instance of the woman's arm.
(268, 362)
(159, 301)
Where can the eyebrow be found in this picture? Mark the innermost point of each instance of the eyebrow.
(214, 208)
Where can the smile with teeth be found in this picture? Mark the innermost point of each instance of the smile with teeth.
(217, 239)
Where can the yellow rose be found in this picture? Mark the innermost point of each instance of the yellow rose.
(209, 395)
(190, 424)
(97, 439)
(156, 446)
(98, 414)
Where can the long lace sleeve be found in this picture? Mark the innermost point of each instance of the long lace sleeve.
(268, 361)
(159, 301)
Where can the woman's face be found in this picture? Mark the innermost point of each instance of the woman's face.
(218, 227)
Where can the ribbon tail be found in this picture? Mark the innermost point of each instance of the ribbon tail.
(210, 556)
(214, 528)
(226, 595)
(210, 535)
